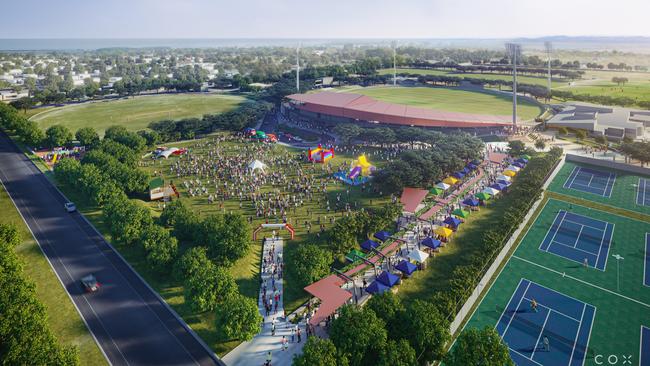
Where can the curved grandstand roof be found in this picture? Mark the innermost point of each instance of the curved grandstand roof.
(365, 108)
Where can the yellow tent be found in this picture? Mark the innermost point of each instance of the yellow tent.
(450, 180)
(443, 231)
(509, 173)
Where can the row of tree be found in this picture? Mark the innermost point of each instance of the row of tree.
(601, 99)
(25, 335)
(639, 150)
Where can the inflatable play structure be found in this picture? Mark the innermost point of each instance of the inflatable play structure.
(320, 155)
(260, 135)
(165, 152)
(359, 173)
(52, 156)
(288, 227)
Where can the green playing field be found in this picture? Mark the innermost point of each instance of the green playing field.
(619, 313)
(628, 191)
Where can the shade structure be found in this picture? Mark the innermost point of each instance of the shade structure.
(498, 186)
(509, 173)
(490, 191)
(471, 202)
(525, 156)
(443, 186)
(260, 135)
(257, 165)
(483, 196)
(461, 213)
(436, 191)
(418, 256)
(388, 279)
(443, 231)
(513, 167)
(465, 170)
(504, 183)
(476, 162)
(406, 267)
(354, 255)
(504, 177)
(382, 235)
(522, 160)
(458, 175)
(249, 130)
(431, 243)
(369, 244)
(377, 287)
(472, 166)
(519, 164)
(450, 180)
(452, 221)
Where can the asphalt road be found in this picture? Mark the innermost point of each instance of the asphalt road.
(130, 322)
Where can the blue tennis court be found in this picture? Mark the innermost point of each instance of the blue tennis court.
(579, 238)
(566, 323)
(644, 350)
(591, 181)
(643, 192)
(646, 263)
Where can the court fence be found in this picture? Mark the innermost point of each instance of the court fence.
(608, 164)
(495, 264)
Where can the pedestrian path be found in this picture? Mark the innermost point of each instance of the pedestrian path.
(254, 352)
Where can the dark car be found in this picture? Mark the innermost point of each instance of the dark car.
(90, 283)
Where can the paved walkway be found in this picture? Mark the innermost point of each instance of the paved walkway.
(254, 352)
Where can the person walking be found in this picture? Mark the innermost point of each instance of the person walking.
(533, 305)
(284, 343)
(268, 358)
(299, 336)
(547, 344)
(293, 335)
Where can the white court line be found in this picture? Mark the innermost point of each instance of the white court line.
(584, 307)
(613, 182)
(540, 335)
(587, 189)
(611, 237)
(568, 246)
(640, 343)
(589, 226)
(582, 281)
(645, 259)
(638, 191)
(524, 356)
(590, 179)
(555, 233)
(574, 177)
(553, 310)
(517, 308)
(584, 359)
(578, 237)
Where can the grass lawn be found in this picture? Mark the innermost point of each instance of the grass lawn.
(450, 99)
(136, 113)
(472, 75)
(63, 318)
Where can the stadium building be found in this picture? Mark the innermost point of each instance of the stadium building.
(331, 108)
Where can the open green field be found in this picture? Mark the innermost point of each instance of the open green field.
(63, 318)
(475, 75)
(450, 99)
(136, 113)
(624, 191)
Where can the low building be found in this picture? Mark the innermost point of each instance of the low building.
(611, 122)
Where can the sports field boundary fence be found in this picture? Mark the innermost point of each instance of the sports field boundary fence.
(495, 265)
(608, 164)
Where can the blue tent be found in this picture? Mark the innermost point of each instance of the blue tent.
(471, 202)
(369, 244)
(519, 164)
(472, 166)
(382, 235)
(522, 160)
(376, 288)
(452, 221)
(406, 267)
(465, 170)
(476, 162)
(431, 243)
(387, 278)
(498, 187)
(458, 175)
(504, 182)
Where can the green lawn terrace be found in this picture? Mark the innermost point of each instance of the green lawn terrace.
(135, 113)
(621, 304)
(448, 99)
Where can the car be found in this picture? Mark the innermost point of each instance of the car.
(70, 207)
(90, 283)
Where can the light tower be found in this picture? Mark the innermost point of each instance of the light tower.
(298, 69)
(514, 53)
(549, 49)
(394, 64)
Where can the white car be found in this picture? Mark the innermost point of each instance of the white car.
(70, 207)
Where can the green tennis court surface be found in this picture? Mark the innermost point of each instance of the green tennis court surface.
(583, 311)
(603, 185)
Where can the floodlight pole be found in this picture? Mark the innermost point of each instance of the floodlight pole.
(618, 279)
(394, 66)
(298, 69)
(549, 49)
(514, 90)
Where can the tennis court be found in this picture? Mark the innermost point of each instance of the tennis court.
(579, 238)
(591, 181)
(643, 192)
(564, 321)
(644, 352)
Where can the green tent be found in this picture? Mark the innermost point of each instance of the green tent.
(435, 191)
(260, 135)
(460, 213)
(156, 183)
(525, 156)
(482, 196)
(354, 255)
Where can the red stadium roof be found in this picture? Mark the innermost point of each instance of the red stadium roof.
(362, 107)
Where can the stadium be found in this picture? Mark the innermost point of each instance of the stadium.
(336, 107)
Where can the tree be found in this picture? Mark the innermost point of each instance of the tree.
(581, 134)
(540, 144)
(319, 352)
(601, 140)
(238, 318)
(208, 287)
(127, 219)
(619, 80)
(563, 131)
(57, 135)
(397, 353)
(24, 103)
(346, 132)
(87, 136)
(516, 147)
(192, 261)
(161, 247)
(310, 263)
(476, 347)
(359, 334)
(184, 221)
(389, 308)
(426, 329)
(226, 237)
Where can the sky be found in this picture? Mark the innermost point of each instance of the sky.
(321, 18)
